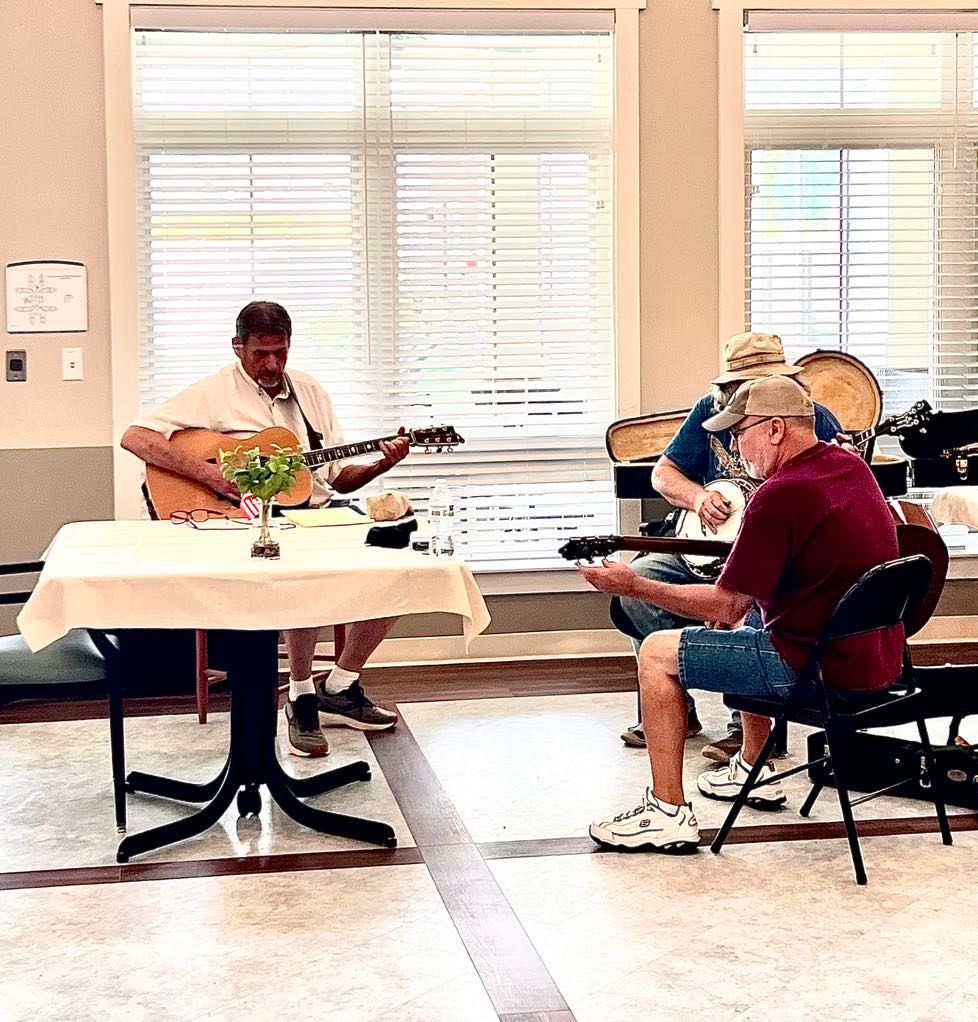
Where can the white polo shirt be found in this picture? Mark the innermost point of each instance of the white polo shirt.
(231, 402)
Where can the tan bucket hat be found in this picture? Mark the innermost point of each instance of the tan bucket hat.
(751, 356)
(768, 396)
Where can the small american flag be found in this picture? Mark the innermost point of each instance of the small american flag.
(251, 506)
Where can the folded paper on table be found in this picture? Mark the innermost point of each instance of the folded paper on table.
(319, 516)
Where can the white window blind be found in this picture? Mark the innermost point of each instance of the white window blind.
(861, 203)
(435, 212)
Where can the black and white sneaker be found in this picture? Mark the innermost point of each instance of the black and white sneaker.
(352, 708)
(306, 737)
(649, 827)
(725, 783)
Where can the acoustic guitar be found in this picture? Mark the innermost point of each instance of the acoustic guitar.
(916, 534)
(171, 492)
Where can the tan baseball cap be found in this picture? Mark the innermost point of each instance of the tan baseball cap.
(769, 396)
(751, 356)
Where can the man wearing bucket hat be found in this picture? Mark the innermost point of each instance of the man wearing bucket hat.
(816, 524)
(694, 458)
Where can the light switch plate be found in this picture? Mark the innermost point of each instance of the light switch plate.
(72, 366)
(16, 363)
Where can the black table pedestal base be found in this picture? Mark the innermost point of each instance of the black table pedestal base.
(252, 762)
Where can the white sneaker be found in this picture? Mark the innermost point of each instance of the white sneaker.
(649, 826)
(725, 783)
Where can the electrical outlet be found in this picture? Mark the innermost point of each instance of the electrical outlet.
(72, 365)
(16, 362)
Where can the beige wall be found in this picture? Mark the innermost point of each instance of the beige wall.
(52, 206)
(52, 183)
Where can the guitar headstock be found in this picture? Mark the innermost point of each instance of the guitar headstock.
(437, 438)
(587, 548)
(918, 415)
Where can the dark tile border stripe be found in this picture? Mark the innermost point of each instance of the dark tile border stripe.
(539, 1016)
(777, 832)
(508, 964)
(192, 868)
(514, 975)
(430, 815)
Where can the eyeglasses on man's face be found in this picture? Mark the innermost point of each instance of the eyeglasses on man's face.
(736, 434)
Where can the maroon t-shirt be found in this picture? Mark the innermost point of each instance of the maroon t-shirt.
(808, 533)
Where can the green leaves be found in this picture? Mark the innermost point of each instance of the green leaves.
(264, 475)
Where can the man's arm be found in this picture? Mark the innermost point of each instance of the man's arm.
(681, 491)
(354, 476)
(155, 449)
(697, 602)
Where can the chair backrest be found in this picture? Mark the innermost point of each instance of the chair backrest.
(887, 595)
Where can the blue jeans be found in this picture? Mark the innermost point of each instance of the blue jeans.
(639, 619)
(741, 661)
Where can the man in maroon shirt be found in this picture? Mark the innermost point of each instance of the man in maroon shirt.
(816, 524)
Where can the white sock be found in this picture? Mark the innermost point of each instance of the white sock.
(666, 807)
(300, 688)
(743, 762)
(338, 680)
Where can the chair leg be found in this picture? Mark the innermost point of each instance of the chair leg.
(339, 641)
(817, 785)
(936, 783)
(837, 752)
(741, 799)
(809, 802)
(780, 738)
(203, 692)
(117, 743)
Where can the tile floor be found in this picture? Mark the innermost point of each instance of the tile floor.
(765, 931)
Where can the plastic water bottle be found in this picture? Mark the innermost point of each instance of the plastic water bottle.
(441, 513)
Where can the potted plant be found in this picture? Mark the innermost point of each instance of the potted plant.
(265, 476)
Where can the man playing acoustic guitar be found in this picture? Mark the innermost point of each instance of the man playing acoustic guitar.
(252, 394)
(693, 459)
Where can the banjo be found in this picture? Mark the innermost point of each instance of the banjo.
(736, 491)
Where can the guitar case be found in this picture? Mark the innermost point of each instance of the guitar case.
(877, 761)
(958, 468)
(643, 437)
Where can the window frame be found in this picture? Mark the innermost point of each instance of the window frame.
(732, 14)
(121, 182)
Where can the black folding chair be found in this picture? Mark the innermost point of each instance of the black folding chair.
(885, 596)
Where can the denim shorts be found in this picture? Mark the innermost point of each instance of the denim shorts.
(741, 661)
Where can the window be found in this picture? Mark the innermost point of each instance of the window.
(861, 195)
(435, 211)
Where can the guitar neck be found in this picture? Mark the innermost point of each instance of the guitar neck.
(323, 457)
(672, 545)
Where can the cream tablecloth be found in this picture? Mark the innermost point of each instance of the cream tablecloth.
(110, 575)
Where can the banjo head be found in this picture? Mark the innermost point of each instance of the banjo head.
(844, 385)
(736, 492)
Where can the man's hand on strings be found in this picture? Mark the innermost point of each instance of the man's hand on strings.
(844, 440)
(394, 450)
(712, 510)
